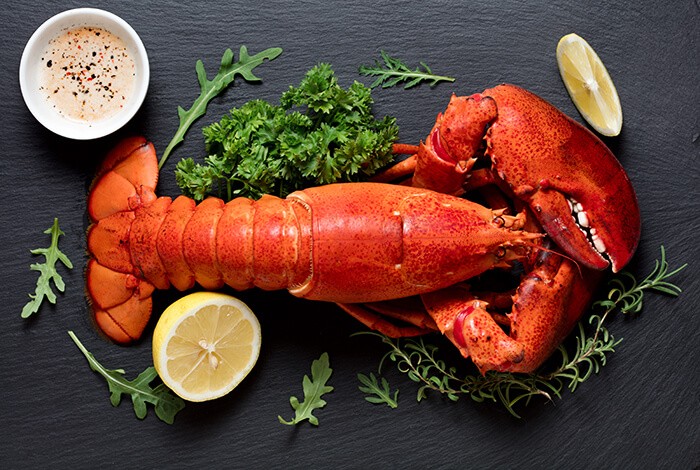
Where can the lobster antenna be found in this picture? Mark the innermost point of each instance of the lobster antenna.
(554, 252)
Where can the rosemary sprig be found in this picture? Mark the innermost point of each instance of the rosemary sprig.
(420, 361)
(395, 71)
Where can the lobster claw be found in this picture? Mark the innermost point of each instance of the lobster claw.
(577, 189)
(444, 160)
(573, 183)
(545, 307)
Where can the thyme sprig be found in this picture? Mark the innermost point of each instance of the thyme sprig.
(394, 71)
(421, 363)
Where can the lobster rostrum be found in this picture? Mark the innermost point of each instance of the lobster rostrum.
(364, 244)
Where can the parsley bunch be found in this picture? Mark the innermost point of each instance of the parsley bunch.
(320, 133)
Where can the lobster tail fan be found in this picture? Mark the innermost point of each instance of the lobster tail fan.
(126, 180)
(128, 174)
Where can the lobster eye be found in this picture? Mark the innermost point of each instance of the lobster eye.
(500, 252)
(499, 221)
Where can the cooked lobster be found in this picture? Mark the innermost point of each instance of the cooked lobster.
(362, 244)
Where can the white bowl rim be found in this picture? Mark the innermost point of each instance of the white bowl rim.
(74, 129)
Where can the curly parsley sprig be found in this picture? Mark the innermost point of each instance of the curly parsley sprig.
(394, 71)
(421, 363)
(48, 271)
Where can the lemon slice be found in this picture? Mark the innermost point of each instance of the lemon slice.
(204, 344)
(589, 85)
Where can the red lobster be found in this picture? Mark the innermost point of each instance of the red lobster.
(361, 244)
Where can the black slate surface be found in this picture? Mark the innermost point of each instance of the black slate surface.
(640, 412)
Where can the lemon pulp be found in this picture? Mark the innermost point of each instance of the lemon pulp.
(205, 344)
(589, 85)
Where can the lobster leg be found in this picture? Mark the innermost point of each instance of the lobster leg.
(408, 309)
(375, 316)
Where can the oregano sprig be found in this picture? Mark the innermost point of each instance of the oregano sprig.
(394, 71)
(48, 272)
(166, 404)
(228, 70)
(420, 361)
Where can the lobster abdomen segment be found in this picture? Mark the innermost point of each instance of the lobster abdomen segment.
(199, 243)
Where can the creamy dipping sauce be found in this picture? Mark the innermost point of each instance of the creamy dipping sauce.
(87, 74)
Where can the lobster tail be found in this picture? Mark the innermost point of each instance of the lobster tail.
(121, 303)
(139, 242)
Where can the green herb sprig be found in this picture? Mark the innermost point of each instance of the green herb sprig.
(420, 361)
(314, 388)
(228, 70)
(166, 404)
(394, 71)
(320, 133)
(47, 272)
(378, 392)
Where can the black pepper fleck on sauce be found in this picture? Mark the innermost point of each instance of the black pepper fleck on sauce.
(49, 63)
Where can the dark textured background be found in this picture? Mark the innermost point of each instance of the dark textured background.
(641, 411)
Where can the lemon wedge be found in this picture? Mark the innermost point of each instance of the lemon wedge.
(589, 85)
(204, 344)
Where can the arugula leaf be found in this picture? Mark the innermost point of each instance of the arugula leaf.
(381, 392)
(319, 134)
(48, 272)
(395, 71)
(314, 388)
(166, 404)
(211, 88)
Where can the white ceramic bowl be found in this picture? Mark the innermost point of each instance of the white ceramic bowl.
(29, 73)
